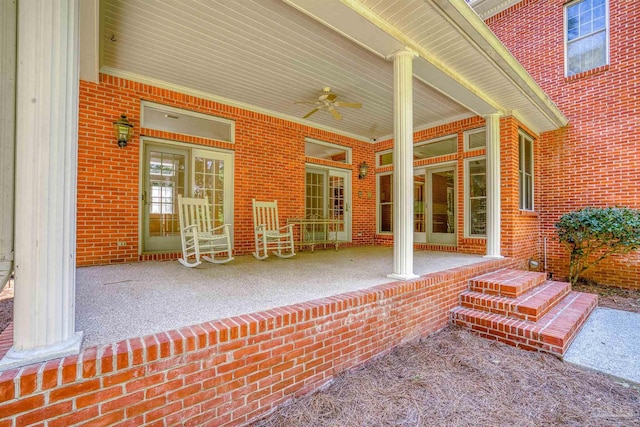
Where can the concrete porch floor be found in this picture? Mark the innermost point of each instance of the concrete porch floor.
(116, 302)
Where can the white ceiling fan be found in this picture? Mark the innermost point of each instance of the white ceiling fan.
(327, 101)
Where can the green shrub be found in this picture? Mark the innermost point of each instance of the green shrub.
(593, 234)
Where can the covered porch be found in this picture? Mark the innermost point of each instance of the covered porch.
(117, 302)
(248, 66)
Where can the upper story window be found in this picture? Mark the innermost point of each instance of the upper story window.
(586, 36)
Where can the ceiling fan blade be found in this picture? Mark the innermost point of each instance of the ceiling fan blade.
(348, 104)
(311, 112)
(335, 113)
(331, 97)
(305, 102)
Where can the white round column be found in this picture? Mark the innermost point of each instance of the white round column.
(46, 167)
(403, 165)
(493, 185)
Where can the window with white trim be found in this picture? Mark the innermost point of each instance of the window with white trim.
(525, 170)
(586, 36)
(186, 122)
(384, 158)
(475, 193)
(327, 151)
(436, 147)
(475, 139)
(385, 203)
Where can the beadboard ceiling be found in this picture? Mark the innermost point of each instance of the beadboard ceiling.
(267, 54)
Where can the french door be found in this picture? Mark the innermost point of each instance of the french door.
(172, 170)
(328, 196)
(434, 210)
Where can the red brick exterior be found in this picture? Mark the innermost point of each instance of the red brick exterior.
(594, 161)
(520, 229)
(269, 165)
(231, 371)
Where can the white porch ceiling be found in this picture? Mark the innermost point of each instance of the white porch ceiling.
(266, 54)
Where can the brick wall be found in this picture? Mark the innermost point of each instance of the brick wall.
(230, 371)
(594, 161)
(520, 229)
(269, 164)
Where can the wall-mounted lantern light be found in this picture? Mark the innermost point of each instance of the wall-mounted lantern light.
(363, 169)
(122, 128)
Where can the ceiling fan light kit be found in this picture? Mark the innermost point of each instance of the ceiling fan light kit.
(327, 101)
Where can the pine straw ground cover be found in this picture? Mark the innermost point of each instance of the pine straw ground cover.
(453, 378)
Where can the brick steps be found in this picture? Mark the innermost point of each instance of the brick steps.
(540, 315)
(507, 282)
(530, 306)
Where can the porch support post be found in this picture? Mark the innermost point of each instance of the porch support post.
(403, 165)
(493, 185)
(46, 166)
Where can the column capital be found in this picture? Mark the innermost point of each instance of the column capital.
(494, 114)
(405, 51)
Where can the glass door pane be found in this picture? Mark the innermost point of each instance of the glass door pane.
(164, 179)
(328, 196)
(314, 204)
(212, 180)
(340, 203)
(442, 215)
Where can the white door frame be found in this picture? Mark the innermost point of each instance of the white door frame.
(344, 235)
(192, 152)
(428, 236)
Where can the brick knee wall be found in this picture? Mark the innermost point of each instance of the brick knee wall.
(234, 370)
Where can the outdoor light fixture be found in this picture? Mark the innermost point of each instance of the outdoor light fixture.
(363, 169)
(122, 128)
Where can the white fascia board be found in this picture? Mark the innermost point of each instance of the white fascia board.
(90, 40)
(357, 23)
(471, 25)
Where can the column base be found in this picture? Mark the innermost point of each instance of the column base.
(17, 358)
(493, 256)
(404, 277)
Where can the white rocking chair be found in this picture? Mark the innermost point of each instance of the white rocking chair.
(268, 233)
(200, 239)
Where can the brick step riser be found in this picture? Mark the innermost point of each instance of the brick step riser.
(518, 333)
(513, 309)
(510, 284)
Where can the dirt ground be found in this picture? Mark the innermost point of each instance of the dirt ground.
(453, 378)
(610, 297)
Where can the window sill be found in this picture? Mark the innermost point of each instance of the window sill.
(587, 73)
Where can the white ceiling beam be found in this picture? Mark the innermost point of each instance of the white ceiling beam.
(90, 40)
